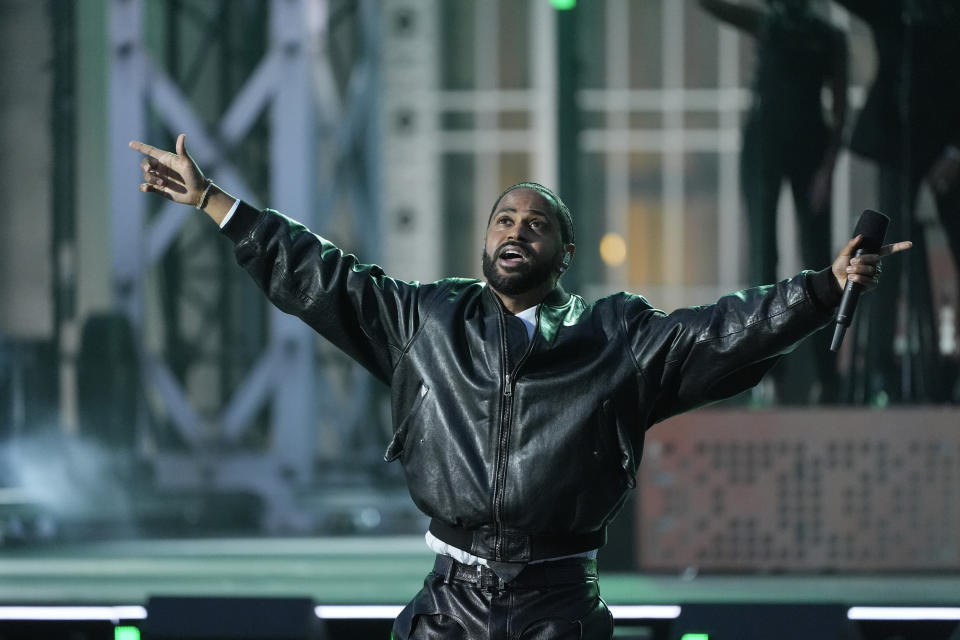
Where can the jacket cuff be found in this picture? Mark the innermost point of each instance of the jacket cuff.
(824, 290)
(243, 220)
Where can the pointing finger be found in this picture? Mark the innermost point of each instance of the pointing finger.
(164, 157)
(895, 247)
(146, 149)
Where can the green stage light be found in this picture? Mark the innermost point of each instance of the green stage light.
(563, 5)
(126, 633)
(695, 636)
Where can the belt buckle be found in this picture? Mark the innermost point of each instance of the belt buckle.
(487, 578)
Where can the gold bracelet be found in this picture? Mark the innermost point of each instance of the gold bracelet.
(203, 196)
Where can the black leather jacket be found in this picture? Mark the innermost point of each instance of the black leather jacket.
(525, 459)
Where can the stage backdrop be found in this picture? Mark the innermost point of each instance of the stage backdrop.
(815, 489)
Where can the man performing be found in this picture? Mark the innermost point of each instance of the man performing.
(519, 410)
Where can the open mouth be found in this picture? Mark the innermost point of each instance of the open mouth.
(511, 256)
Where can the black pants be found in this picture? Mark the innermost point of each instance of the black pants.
(773, 153)
(557, 600)
(921, 374)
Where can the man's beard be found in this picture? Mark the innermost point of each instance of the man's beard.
(520, 279)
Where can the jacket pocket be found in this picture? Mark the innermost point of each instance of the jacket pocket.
(395, 448)
(618, 442)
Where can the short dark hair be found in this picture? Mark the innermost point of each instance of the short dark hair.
(557, 207)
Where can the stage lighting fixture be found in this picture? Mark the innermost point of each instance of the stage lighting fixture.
(126, 633)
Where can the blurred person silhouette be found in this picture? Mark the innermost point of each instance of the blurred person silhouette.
(910, 127)
(787, 137)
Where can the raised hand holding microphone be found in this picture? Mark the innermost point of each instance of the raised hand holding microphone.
(857, 267)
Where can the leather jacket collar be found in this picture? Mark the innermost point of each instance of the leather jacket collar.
(556, 309)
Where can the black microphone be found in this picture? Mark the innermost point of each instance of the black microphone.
(872, 225)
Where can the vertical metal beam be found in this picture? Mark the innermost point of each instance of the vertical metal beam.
(410, 149)
(568, 122)
(729, 207)
(673, 159)
(487, 182)
(128, 78)
(617, 161)
(294, 25)
(63, 236)
(551, 54)
(372, 145)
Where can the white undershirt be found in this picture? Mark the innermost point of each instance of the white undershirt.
(440, 547)
(233, 210)
(529, 317)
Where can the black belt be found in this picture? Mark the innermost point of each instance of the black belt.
(533, 576)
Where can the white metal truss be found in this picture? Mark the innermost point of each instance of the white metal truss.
(410, 128)
(616, 139)
(312, 131)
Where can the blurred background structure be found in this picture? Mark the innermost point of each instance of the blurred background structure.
(147, 391)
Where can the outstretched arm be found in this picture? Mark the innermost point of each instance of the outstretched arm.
(353, 305)
(736, 15)
(698, 355)
(177, 177)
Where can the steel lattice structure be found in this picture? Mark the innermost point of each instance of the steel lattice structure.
(321, 151)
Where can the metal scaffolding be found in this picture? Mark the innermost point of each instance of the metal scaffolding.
(320, 146)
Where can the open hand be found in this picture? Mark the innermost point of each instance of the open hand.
(864, 269)
(174, 176)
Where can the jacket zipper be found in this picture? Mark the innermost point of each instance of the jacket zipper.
(506, 417)
(500, 468)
